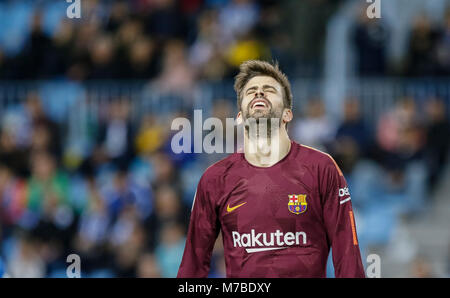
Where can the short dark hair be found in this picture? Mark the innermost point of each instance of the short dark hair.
(253, 68)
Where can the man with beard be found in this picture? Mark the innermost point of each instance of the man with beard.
(280, 205)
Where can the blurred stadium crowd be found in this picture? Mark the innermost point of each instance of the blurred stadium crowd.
(124, 207)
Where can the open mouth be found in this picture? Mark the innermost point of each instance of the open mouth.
(259, 104)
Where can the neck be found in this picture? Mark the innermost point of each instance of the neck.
(266, 151)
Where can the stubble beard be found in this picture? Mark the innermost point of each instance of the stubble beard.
(260, 119)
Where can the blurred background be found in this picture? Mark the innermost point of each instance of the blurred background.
(86, 107)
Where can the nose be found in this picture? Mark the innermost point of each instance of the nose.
(259, 93)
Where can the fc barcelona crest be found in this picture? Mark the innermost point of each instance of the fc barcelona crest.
(297, 204)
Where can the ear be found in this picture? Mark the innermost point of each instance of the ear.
(287, 116)
(239, 119)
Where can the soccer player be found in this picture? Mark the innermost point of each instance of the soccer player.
(280, 208)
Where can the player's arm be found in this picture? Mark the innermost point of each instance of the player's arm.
(202, 233)
(340, 222)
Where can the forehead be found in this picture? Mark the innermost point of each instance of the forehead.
(260, 81)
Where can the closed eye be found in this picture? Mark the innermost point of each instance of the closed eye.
(269, 88)
(251, 90)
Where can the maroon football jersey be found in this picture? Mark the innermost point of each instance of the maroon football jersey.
(277, 221)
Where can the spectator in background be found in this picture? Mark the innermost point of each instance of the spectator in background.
(237, 18)
(119, 14)
(7, 67)
(116, 134)
(59, 56)
(305, 23)
(421, 267)
(26, 260)
(148, 266)
(125, 193)
(177, 76)
(137, 53)
(128, 33)
(400, 136)
(127, 242)
(35, 53)
(169, 250)
(370, 38)
(80, 54)
(151, 135)
(47, 194)
(41, 140)
(141, 61)
(207, 53)
(274, 35)
(93, 229)
(62, 44)
(353, 127)
(400, 133)
(13, 156)
(438, 143)
(45, 134)
(222, 109)
(246, 47)
(165, 172)
(165, 21)
(13, 198)
(168, 208)
(443, 47)
(421, 59)
(314, 129)
(103, 60)
(347, 153)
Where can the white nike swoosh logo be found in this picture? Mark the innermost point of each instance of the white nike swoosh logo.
(251, 250)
